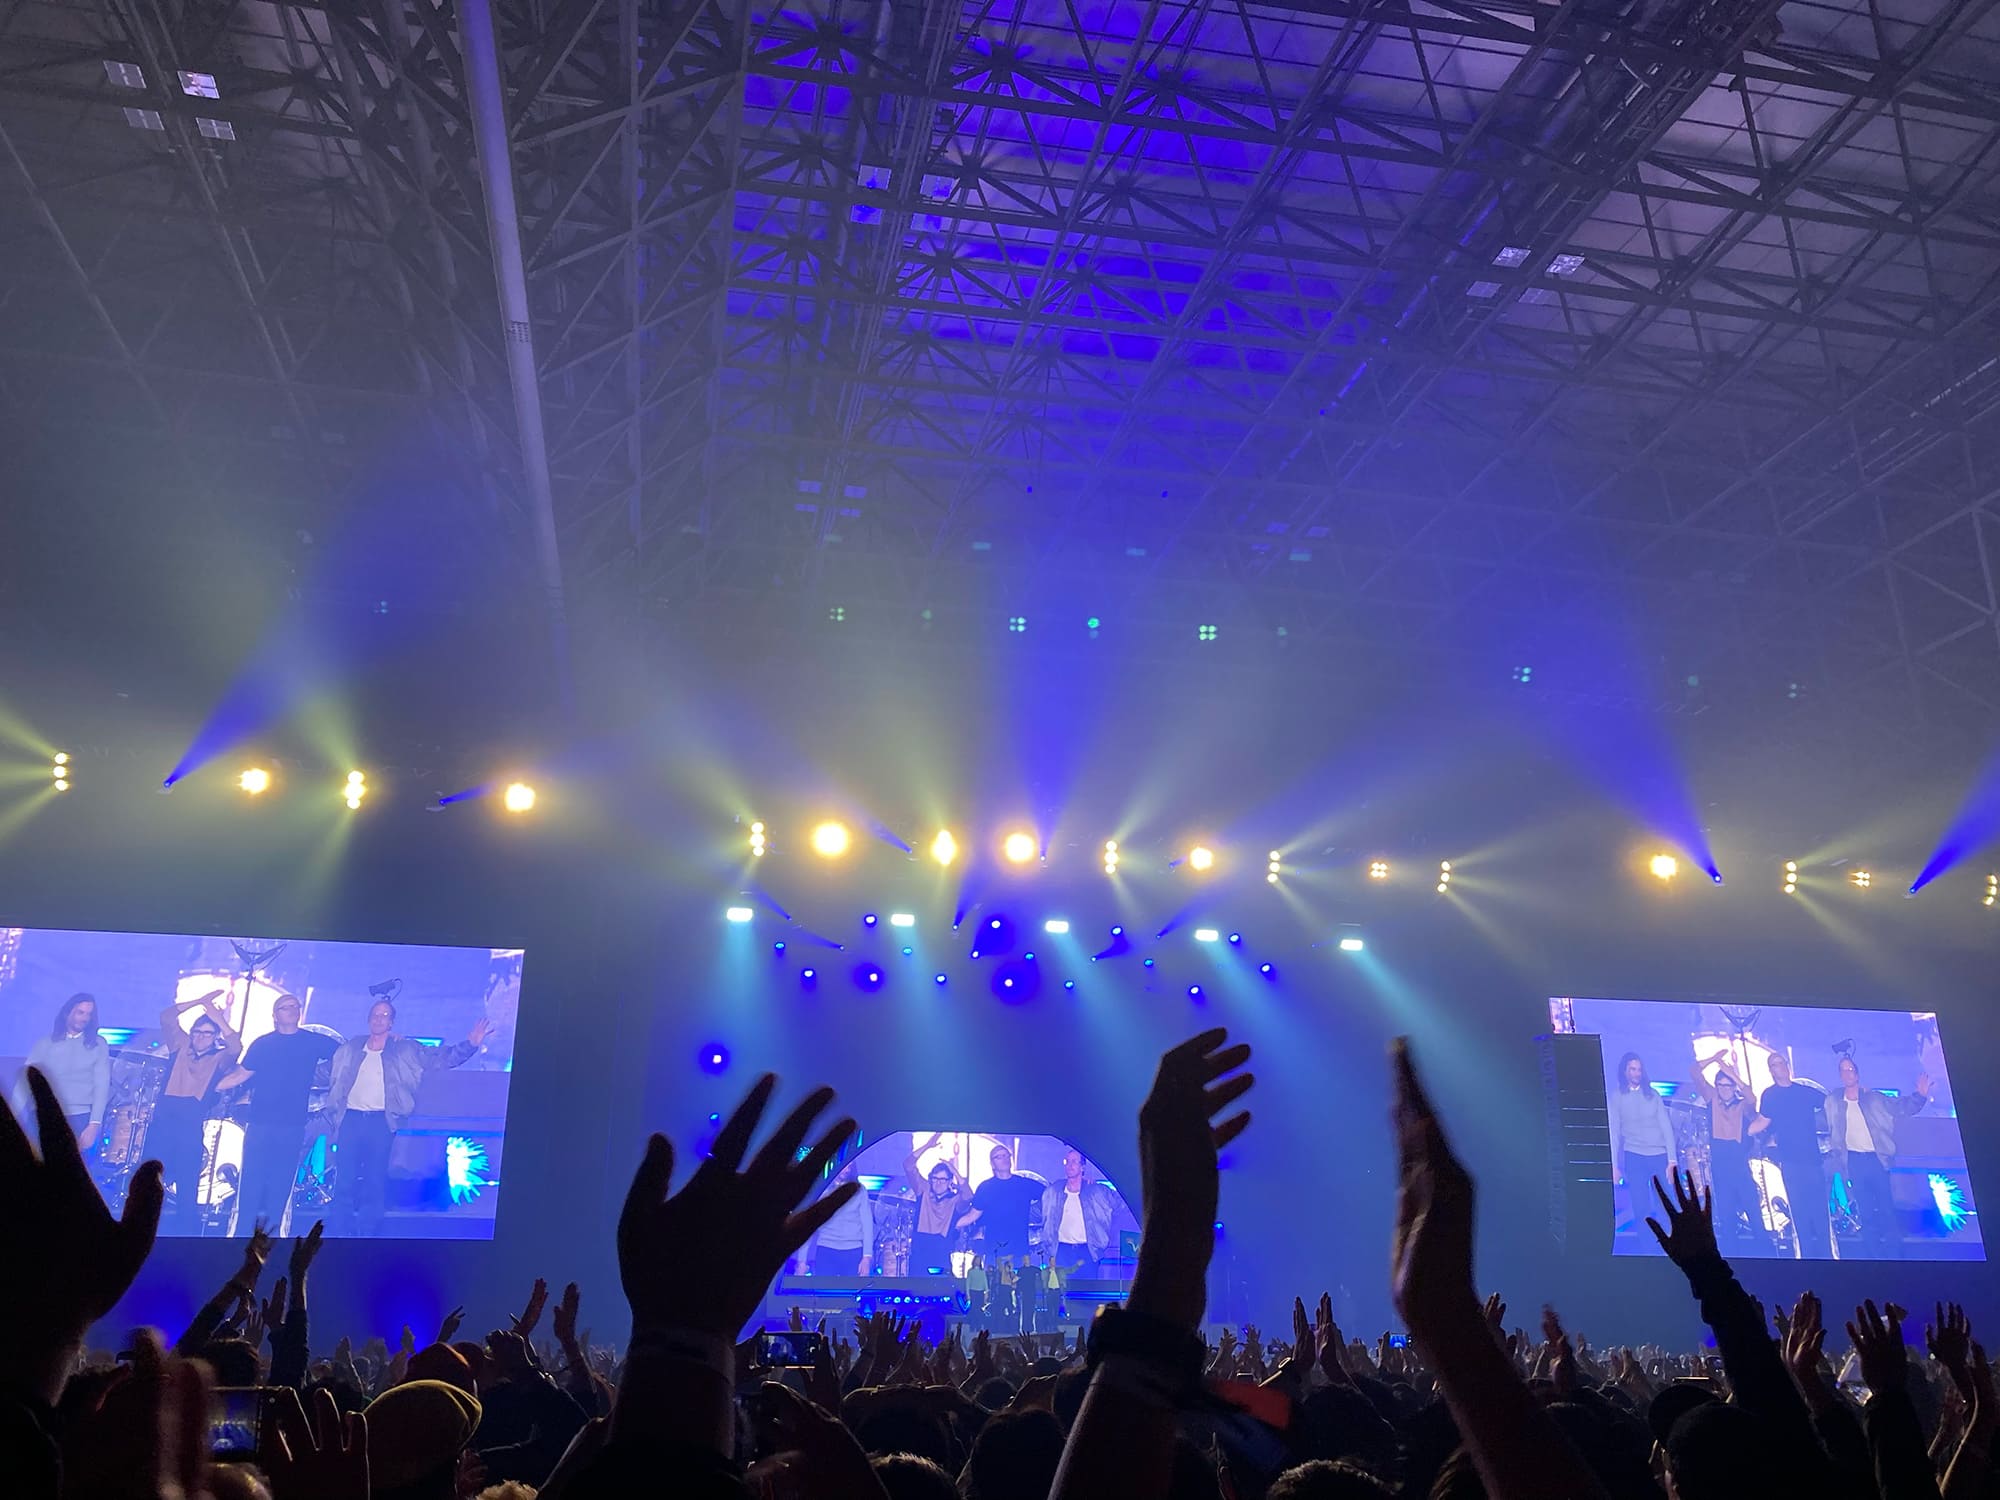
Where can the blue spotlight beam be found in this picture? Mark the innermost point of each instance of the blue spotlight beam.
(1976, 824)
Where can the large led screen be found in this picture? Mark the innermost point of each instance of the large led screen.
(959, 1203)
(364, 1084)
(1821, 1134)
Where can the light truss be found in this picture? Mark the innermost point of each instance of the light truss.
(1344, 311)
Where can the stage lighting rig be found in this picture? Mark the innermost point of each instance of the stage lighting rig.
(757, 841)
(1201, 858)
(1663, 866)
(1791, 883)
(518, 798)
(1274, 867)
(1444, 877)
(355, 790)
(944, 848)
(61, 768)
(1111, 856)
(1378, 869)
(255, 780)
(1019, 848)
(830, 840)
(1992, 896)
(1862, 879)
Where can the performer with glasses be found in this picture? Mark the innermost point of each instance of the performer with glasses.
(279, 1067)
(202, 1054)
(941, 1201)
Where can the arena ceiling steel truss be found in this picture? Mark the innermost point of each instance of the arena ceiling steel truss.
(1343, 316)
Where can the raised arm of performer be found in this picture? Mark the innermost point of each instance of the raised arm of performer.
(458, 1053)
(916, 1178)
(176, 1037)
(1702, 1085)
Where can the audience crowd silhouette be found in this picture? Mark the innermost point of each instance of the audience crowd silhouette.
(1143, 1408)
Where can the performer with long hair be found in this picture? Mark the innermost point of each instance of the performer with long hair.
(1642, 1134)
(77, 1064)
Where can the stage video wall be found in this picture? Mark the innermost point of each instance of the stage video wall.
(282, 1081)
(958, 1203)
(1820, 1133)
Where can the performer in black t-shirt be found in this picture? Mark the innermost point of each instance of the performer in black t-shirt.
(1002, 1204)
(1793, 1143)
(279, 1067)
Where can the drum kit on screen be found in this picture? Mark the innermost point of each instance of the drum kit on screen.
(139, 1068)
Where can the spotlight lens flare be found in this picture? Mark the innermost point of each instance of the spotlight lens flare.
(830, 840)
(1019, 848)
(1663, 866)
(1352, 945)
(1201, 857)
(944, 848)
(255, 780)
(738, 914)
(518, 798)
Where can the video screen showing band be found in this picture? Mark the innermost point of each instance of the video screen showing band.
(1008, 1217)
(1821, 1134)
(364, 1084)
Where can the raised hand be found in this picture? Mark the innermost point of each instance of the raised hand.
(1431, 1253)
(68, 1260)
(538, 1298)
(149, 1436)
(275, 1307)
(256, 1250)
(1878, 1341)
(509, 1355)
(254, 1324)
(326, 1459)
(1562, 1357)
(832, 1462)
(1690, 1235)
(1805, 1341)
(1299, 1362)
(1330, 1348)
(481, 1030)
(450, 1325)
(305, 1250)
(701, 1258)
(565, 1318)
(1179, 1181)
(1949, 1340)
